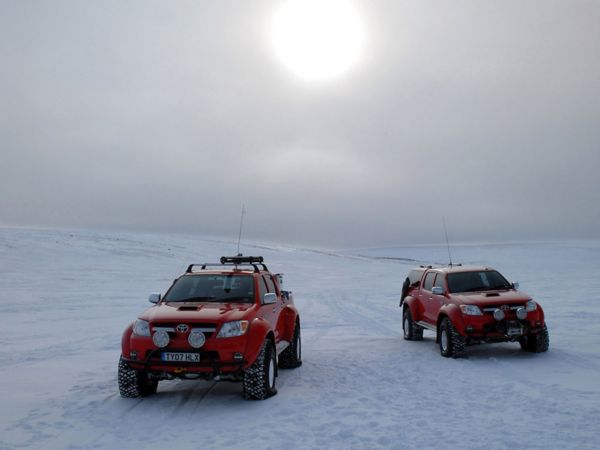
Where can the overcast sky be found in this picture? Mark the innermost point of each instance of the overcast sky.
(168, 115)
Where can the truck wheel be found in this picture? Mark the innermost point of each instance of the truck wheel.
(412, 331)
(452, 344)
(135, 383)
(291, 357)
(259, 378)
(536, 343)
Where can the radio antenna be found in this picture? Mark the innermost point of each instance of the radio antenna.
(241, 225)
(447, 242)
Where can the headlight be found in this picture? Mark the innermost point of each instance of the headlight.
(141, 328)
(530, 306)
(521, 313)
(499, 315)
(471, 310)
(160, 338)
(232, 329)
(196, 339)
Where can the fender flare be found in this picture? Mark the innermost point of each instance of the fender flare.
(452, 312)
(258, 331)
(540, 314)
(126, 341)
(412, 304)
(290, 316)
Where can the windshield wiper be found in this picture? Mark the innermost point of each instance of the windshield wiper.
(237, 298)
(475, 289)
(192, 299)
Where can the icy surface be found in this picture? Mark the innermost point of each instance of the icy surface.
(67, 296)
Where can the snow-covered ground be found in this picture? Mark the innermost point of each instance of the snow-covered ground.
(65, 298)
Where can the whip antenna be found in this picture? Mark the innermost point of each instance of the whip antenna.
(241, 225)
(447, 242)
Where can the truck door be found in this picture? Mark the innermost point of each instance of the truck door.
(437, 300)
(271, 312)
(426, 298)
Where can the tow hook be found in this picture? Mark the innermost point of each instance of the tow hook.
(179, 370)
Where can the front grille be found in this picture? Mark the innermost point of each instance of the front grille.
(207, 328)
(511, 313)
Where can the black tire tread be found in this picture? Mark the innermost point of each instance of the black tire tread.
(134, 383)
(536, 343)
(456, 342)
(415, 332)
(288, 359)
(255, 382)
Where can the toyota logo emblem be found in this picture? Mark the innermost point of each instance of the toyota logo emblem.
(182, 328)
(505, 307)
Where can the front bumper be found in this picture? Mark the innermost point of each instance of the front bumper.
(500, 331)
(216, 356)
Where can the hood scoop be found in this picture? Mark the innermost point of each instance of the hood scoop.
(187, 308)
(492, 294)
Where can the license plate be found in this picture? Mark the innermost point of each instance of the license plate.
(180, 357)
(514, 331)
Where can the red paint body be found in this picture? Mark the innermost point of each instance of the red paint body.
(266, 321)
(428, 309)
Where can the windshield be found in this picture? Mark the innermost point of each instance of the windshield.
(484, 280)
(212, 288)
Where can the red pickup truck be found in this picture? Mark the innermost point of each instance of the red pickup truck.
(229, 321)
(470, 305)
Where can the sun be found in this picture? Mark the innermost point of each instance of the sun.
(317, 39)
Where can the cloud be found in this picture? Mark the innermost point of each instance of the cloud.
(158, 116)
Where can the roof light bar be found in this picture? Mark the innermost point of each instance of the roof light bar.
(238, 260)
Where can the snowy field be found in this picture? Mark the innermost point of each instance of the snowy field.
(67, 296)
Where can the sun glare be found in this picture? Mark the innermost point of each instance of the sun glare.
(317, 39)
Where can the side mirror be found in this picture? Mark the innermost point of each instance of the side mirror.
(154, 298)
(436, 290)
(515, 285)
(269, 298)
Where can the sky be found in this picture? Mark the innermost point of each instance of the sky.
(168, 116)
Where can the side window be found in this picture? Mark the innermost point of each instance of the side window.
(428, 283)
(439, 281)
(270, 284)
(262, 288)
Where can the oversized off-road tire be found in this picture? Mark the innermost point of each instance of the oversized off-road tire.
(291, 357)
(135, 383)
(412, 331)
(259, 378)
(452, 344)
(536, 343)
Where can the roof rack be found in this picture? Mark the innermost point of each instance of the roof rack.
(239, 260)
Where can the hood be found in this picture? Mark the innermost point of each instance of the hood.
(490, 297)
(198, 312)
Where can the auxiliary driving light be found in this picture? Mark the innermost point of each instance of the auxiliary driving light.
(499, 315)
(196, 339)
(521, 313)
(160, 338)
